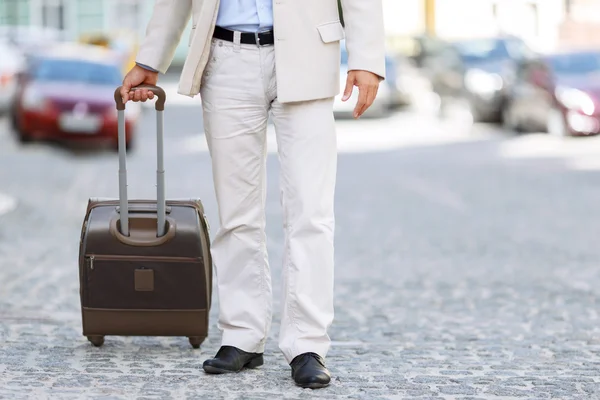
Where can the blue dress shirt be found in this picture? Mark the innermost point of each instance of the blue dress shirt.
(246, 15)
(243, 16)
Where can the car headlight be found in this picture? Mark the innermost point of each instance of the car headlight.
(479, 81)
(575, 99)
(33, 100)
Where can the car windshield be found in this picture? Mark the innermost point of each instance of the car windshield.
(482, 50)
(574, 64)
(53, 70)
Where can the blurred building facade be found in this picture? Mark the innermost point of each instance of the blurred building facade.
(581, 26)
(77, 18)
(74, 17)
(539, 22)
(545, 24)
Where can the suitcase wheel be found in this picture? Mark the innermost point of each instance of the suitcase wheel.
(196, 341)
(96, 340)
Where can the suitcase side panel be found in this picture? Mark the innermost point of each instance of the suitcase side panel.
(187, 241)
(159, 318)
(144, 283)
(208, 263)
(190, 248)
(82, 252)
(144, 322)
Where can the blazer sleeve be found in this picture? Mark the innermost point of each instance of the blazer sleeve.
(167, 23)
(365, 35)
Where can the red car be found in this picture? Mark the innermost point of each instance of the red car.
(558, 94)
(68, 95)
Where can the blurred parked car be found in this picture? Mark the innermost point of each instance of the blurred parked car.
(12, 63)
(387, 95)
(419, 48)
(558, 94)
(67, 94)
(411, 82)
(478, 73)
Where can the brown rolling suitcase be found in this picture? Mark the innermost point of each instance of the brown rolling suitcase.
(144, 266)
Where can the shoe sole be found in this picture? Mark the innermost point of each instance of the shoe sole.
(312, 385)
(213, 370)
(252, 364)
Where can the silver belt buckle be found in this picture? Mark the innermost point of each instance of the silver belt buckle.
(257, 38)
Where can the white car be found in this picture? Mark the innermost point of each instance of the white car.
(11, 63)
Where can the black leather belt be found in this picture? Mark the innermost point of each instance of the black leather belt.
(260, 38)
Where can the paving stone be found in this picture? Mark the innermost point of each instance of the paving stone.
(461, 274)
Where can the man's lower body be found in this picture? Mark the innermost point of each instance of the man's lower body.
(239, 91)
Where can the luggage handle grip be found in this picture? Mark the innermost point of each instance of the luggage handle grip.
(161, 224)
(142, 208)
(139, 235)
(161, 96)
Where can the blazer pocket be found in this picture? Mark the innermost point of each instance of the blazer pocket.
(331, 32)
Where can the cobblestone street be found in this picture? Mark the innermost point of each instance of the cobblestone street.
(466, 268)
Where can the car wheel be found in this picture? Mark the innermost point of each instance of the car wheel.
(484, 117)
(14, 124)
(129, 146)
(476, 115)
(556, 124)
(22, 137)
(509, 121)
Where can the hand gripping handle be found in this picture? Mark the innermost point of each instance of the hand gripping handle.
(160, 172)
(158, 92)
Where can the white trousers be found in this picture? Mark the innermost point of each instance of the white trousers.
(239, 90)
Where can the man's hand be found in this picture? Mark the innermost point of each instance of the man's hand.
(368, 84)
(138, 76)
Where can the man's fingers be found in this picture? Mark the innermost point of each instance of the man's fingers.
(371, 94)
(362, 100)
(370, 98)
(349, 87)
(137, 95)
(125, 92)
(141, 95)
(374, 92)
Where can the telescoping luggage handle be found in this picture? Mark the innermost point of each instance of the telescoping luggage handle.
(160, 172)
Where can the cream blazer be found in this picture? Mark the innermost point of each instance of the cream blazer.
(307, 43)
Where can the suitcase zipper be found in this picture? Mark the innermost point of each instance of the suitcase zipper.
(206, 222)
(92, 257)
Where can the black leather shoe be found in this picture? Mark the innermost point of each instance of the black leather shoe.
(308, 371)
(232, 359)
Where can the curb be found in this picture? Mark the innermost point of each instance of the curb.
(7, 204)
